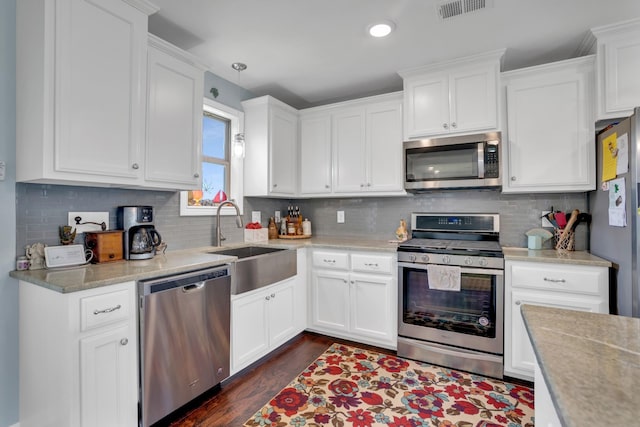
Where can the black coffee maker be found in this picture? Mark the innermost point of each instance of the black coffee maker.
(140, 235)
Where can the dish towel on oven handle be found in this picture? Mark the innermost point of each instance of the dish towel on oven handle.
(444, 277)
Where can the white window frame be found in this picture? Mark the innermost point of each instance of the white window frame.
(236, 119)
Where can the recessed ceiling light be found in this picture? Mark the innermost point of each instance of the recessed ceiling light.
(381, 29)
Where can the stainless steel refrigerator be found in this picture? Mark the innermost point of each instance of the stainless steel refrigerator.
(620, 245)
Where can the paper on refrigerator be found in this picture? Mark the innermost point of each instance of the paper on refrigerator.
(617, 203)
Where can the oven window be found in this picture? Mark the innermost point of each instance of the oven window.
(428, 164)
(472, 310)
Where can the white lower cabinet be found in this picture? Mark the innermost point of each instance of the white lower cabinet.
(354, 296)
(78, 357)
(266, 318)
(567, 286)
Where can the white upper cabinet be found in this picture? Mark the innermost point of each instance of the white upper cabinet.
(353, 147)
(271, 138)
(174, 118)
(550, 128)
(618, 68)
(315, 154)
(458, 96)
(81, 79)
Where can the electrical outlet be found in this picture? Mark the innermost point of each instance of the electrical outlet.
(92, 217)
(3, 169)
(545, 222)
(256, 216)
(340, 217)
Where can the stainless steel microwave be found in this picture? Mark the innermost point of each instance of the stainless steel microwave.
(467, 161)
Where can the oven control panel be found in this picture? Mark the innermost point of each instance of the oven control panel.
(450, 259)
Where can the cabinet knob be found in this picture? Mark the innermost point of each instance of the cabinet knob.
(518, 303)
(196, 175)
(267, 297)
(368, 184)
(361, 185)
(135, 166)
(446, 126)
(275, 185)
(124, 341)
(326, 186)
(454, 125)
(513, 178)
(273, 295)
(344, 280)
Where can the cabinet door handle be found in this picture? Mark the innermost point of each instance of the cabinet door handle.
(124, 341)
(107, 310)
(135, 166)
(546, 279)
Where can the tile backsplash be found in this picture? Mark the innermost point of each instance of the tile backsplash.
(41, 209)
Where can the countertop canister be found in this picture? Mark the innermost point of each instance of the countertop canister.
(306, 227)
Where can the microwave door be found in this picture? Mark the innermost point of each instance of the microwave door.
(443, 163)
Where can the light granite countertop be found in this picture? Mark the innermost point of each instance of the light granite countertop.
(554, 257)
(590, 362)
(73, 279)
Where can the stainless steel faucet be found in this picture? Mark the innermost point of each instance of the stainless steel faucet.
(219, 237)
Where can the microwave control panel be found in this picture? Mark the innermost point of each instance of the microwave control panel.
(491, 161)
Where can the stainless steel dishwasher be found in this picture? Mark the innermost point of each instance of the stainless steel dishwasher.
(184, 338)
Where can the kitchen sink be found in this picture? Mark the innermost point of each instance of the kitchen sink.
(259, 266)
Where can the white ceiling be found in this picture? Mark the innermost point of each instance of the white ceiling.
(314, 52)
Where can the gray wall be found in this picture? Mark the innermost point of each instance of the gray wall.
(8, 286)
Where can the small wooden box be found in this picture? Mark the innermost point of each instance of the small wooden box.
(105, 245)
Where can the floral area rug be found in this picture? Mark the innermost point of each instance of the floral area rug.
(348, 386)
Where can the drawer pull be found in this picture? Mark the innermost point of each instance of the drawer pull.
(329, 261)
(107, 310)
(371, 264)
(546, 279)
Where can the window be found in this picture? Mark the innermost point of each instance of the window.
(221, 170)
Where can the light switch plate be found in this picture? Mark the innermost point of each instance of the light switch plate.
(277, 216)
(340, 217)
(256, 216)
(98, 217)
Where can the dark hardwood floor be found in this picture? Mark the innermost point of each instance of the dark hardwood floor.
(238, 398)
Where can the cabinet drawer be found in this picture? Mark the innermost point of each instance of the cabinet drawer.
(559, 277)
(105, 308)
(372, 263)
(336, 260)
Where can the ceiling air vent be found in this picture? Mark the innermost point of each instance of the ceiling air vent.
(451, 9)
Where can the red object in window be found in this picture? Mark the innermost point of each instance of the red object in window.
(221, 196)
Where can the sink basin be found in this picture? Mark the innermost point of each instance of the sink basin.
(248, 251)
(259, 266)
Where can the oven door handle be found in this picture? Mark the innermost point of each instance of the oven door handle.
(485, 271)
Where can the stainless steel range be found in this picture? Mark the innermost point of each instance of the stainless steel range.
(451, 292)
